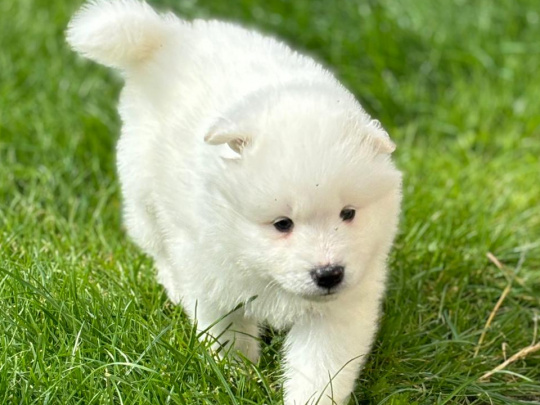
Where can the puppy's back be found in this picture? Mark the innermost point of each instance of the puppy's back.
(125, 34)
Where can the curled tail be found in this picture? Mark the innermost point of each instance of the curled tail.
(118, 33)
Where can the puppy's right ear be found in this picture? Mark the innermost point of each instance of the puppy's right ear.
(225, 132)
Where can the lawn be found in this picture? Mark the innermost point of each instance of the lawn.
(457, 85)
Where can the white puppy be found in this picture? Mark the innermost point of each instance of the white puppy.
(248, 171)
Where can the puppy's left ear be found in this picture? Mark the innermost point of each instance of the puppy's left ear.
(381, 139)
(384, 144)
(225, 132)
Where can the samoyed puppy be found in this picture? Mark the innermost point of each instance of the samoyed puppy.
(257, 182)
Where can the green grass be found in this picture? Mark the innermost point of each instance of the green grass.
(457, 84)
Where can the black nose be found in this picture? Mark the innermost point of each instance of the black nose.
(328, 276)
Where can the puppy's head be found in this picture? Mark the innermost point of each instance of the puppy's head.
(310, 193)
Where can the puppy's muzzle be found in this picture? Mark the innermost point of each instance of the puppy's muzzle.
(328, 276)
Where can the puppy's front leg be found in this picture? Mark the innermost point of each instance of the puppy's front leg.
(229, 331)
(324, 356)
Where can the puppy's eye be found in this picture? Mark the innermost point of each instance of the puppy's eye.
(347, 214)
(284, 224)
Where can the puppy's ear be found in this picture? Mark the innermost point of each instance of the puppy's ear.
(225, 132)
(384, 144)
(381, 139)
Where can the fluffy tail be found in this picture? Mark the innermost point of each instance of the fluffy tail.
(118, 33)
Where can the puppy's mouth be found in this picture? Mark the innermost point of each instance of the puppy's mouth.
(311, 290)
(323, 295)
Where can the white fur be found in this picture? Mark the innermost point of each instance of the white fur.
(225, 130)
